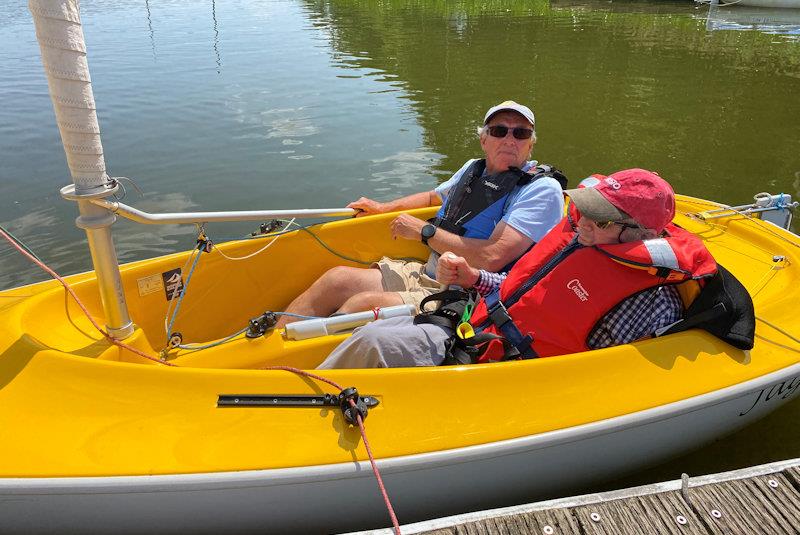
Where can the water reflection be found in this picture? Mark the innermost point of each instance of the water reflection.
(136, 241)
(614, 84)
(150, 28)
(216, 34)
(399, 171)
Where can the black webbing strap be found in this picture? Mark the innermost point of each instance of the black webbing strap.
(520, 345)
(448, 313)
(699, 319)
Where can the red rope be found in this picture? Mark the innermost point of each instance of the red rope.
(80, 303)
(375, 470)
(298, 371)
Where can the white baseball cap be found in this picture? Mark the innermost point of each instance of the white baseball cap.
(510, 105)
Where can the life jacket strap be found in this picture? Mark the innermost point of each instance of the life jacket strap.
(519, 345)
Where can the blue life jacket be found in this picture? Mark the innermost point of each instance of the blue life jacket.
(477, 202)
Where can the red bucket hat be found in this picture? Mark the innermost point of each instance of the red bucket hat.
(634, 194)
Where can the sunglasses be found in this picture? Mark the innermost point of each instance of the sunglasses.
(606, 224)
(518, 133)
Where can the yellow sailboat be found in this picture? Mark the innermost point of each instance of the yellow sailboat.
(201, 438)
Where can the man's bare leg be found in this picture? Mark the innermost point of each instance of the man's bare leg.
(369, 300)
(332, 290)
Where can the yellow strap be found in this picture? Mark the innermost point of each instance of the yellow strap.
(465, 330)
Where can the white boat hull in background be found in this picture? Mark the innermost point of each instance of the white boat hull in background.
(783, 4)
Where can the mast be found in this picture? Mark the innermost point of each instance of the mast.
(60, 36)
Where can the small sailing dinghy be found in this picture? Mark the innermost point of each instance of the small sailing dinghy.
(200, 438)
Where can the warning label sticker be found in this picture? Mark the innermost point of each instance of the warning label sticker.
(149, 285)
(173, 283)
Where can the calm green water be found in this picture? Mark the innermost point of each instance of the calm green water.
(247, 104)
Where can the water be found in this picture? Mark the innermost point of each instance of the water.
(248, 104)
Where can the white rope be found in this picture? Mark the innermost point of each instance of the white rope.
(786, 334)
(267, 246)
(771, 271)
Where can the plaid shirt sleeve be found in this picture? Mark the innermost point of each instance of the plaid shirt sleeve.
(637, 317)
(488, 281)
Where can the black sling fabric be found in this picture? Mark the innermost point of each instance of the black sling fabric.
(723, 308)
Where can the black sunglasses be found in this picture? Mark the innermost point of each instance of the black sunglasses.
(518, 133)
(606, 224)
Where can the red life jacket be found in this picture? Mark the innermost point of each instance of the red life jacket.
(573, 287)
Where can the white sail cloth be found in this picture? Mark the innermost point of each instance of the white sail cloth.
(60, 35)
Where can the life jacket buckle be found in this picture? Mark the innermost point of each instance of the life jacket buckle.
(499, 314)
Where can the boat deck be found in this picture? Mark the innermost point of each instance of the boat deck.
(763, 499)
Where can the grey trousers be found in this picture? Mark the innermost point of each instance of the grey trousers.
(391, 343)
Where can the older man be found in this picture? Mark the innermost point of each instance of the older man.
(493, 211)
(606, 275)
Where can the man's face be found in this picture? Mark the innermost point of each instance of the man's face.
(508, 151)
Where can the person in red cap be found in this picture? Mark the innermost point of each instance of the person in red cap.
(606, 275)
(492, 210)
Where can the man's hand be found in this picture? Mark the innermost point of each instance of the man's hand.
(452, 269)
(365, 206)
(407, 227)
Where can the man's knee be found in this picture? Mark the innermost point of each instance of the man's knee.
(360, 279)
(337, 274)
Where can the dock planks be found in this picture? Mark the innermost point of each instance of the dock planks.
(763, 499)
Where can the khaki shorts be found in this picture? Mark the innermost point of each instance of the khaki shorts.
(407, 279)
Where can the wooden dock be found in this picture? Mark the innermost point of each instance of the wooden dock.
(758, 500)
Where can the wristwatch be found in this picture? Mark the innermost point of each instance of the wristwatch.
(427, 233)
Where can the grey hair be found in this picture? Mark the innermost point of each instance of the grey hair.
(637, 234)
(485, 130)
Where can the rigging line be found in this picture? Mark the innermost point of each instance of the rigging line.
(231, 337)
(319, 240)
(762, 225)
(182, 294)
(20, 243)
(361, 428)
(196, 347)
(251, 255)
(786, 334)
(778, 344)
(174, 299)
(201, 233)
(340, 255)
(305, 228)
(759, 285)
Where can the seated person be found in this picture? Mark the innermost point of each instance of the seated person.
(494, 210)
(606, 275)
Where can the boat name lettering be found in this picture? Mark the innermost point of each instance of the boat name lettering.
(781, 390)
(576, 286)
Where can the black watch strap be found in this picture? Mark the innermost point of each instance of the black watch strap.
(427, 233)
